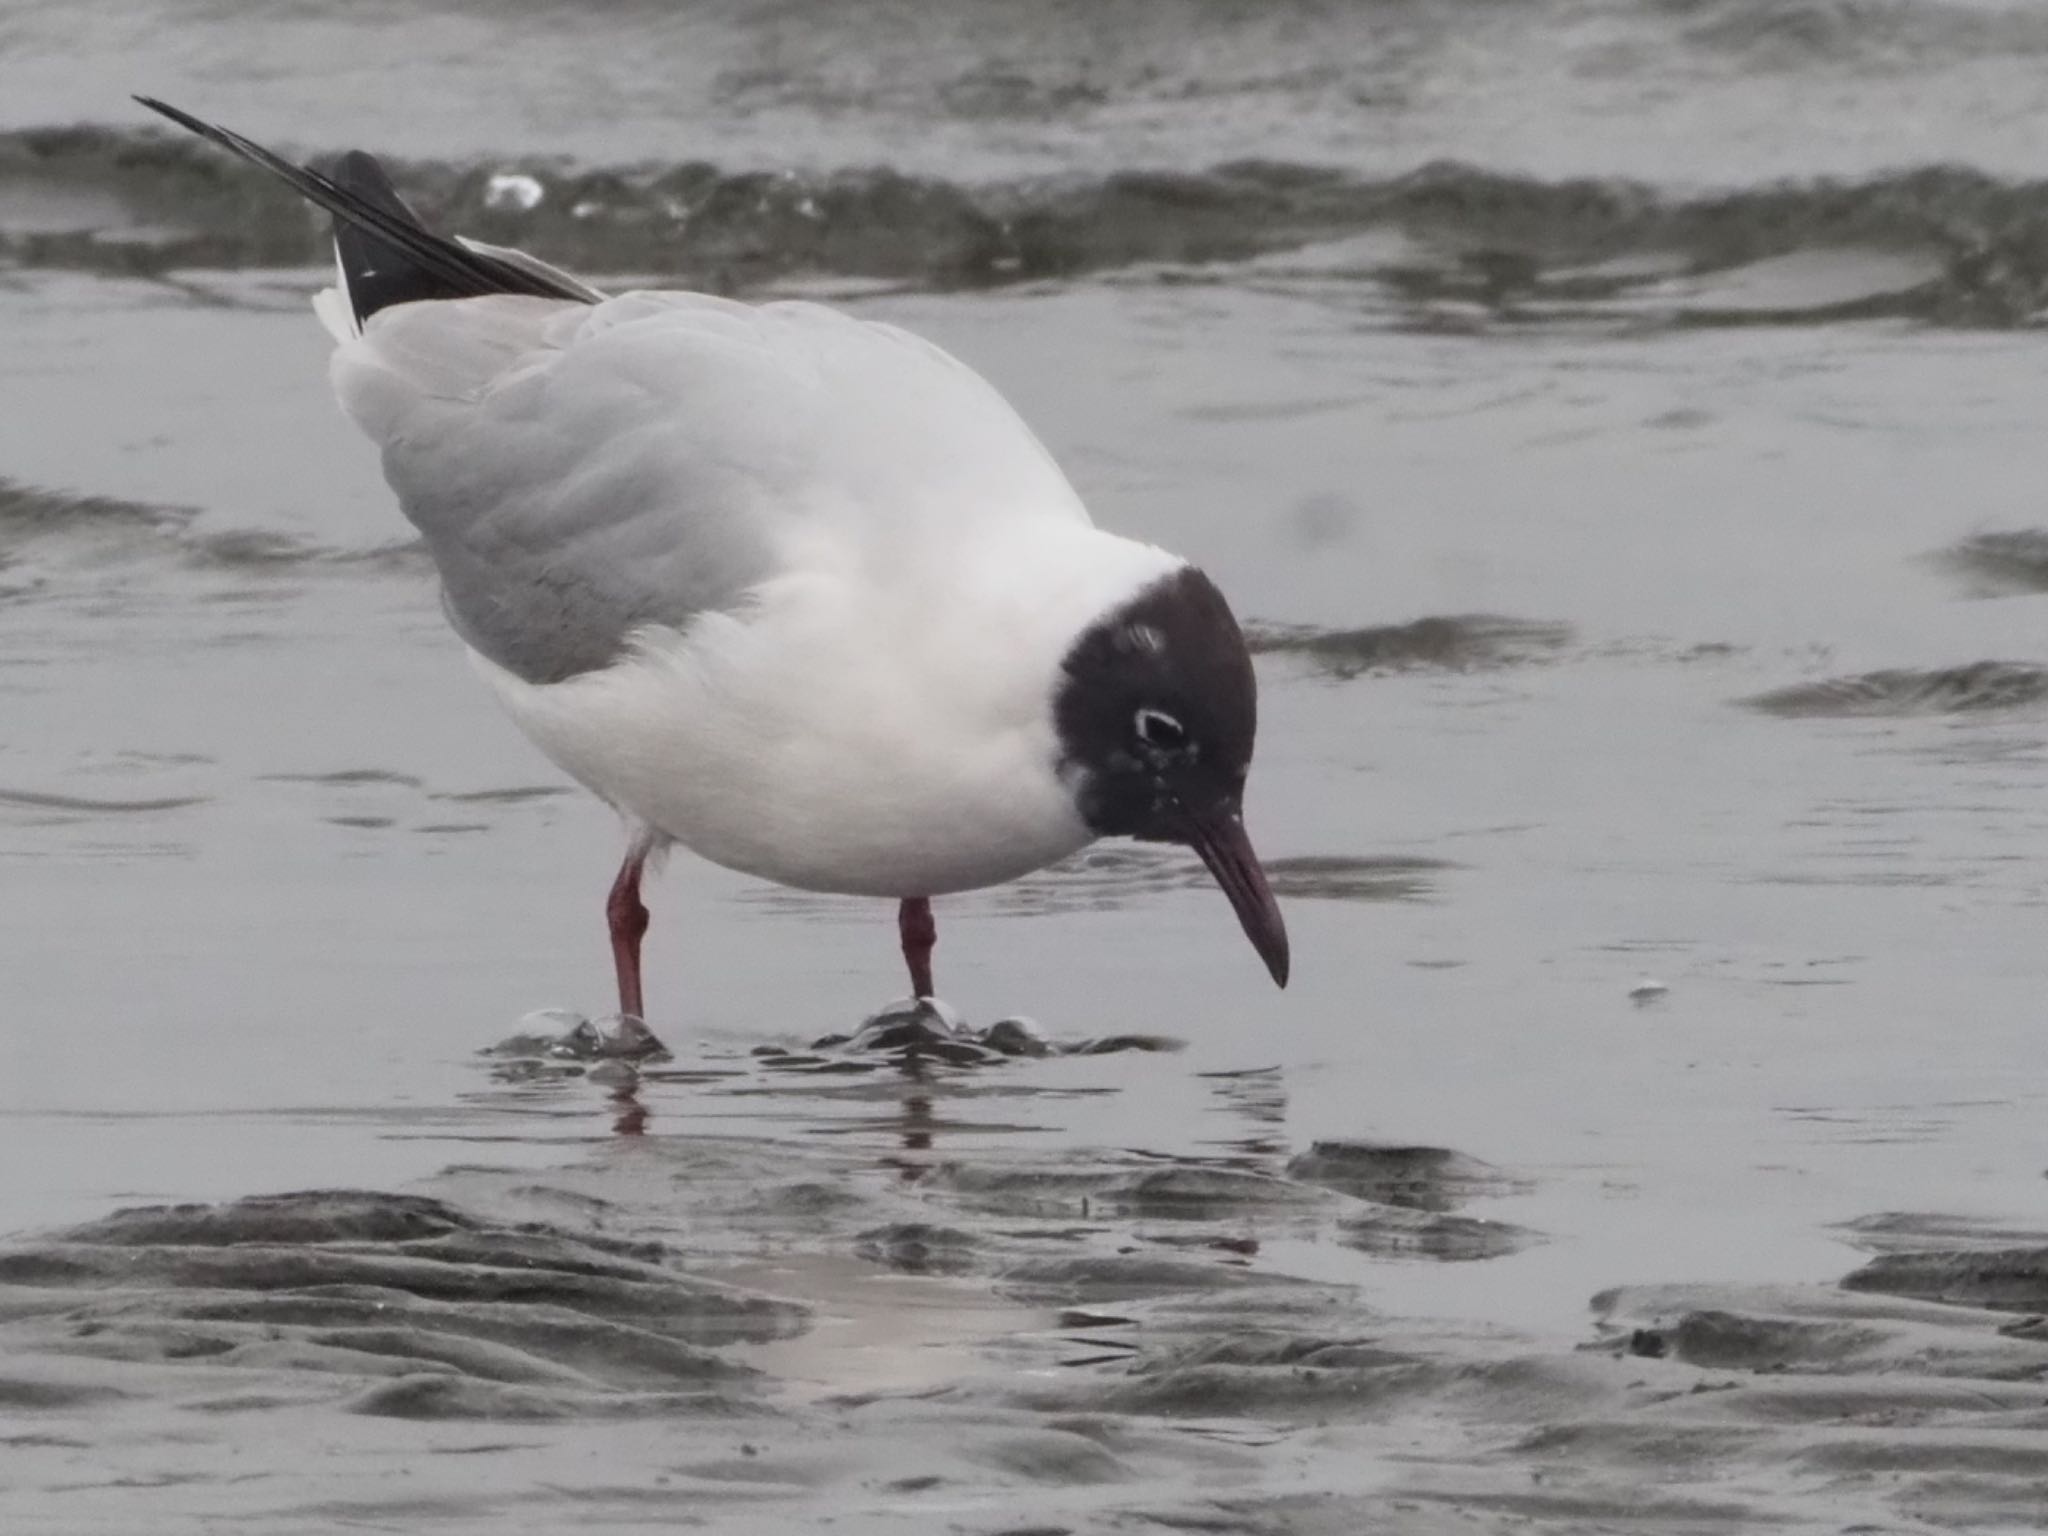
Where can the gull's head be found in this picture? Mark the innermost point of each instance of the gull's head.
(1157, 708)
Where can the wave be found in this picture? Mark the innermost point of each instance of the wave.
(1975, 688)
(2001, 563)
(43, 531)
(1942, 244)
(1456, 642)
(1786, 35)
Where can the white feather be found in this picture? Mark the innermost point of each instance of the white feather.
(830, 574)
(839, 734)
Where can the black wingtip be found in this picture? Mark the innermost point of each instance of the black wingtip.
(185, 120)
(376, 272)
(387, 256)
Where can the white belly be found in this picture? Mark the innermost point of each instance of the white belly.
(795, 757)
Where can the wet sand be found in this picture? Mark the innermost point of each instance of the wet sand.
(740, 1333)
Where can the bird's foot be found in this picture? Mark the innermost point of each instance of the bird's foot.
(908, 1023)
(560, 1034)
(623, 1037)
(925, 1026)
(1016, 1036)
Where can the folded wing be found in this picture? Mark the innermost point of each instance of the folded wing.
(585, 468)
(582, 472)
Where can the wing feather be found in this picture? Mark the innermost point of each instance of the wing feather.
(584, 472)
(584, 468)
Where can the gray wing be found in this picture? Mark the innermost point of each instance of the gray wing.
(578, 474)
(582, 472)
(586, 468)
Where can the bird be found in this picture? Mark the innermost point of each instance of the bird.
(792, 589)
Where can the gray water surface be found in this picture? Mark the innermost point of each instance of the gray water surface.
(1648, 587)
(281, 859)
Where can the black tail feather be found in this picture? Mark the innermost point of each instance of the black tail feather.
(375, 272)
(387, 256)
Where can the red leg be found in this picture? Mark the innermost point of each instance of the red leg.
(920, 933)
(628, 919)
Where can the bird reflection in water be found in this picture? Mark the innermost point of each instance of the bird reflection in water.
(881, 1084)
(910, 1122)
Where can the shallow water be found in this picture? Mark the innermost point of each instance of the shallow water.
(1677, 623)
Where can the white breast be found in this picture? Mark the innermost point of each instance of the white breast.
(842, 732)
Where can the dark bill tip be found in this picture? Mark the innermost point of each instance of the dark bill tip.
(1219, 837)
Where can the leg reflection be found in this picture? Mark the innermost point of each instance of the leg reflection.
(629, 1115)
(915, 1124)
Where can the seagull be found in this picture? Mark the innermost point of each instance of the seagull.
(797, 591)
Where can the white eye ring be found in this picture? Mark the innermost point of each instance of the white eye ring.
(1156, 728)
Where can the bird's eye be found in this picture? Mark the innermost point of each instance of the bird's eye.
(1156, 728)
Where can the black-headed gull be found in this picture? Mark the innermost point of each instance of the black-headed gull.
(797, 591)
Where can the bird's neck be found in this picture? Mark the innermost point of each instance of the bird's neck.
(1048, 583)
